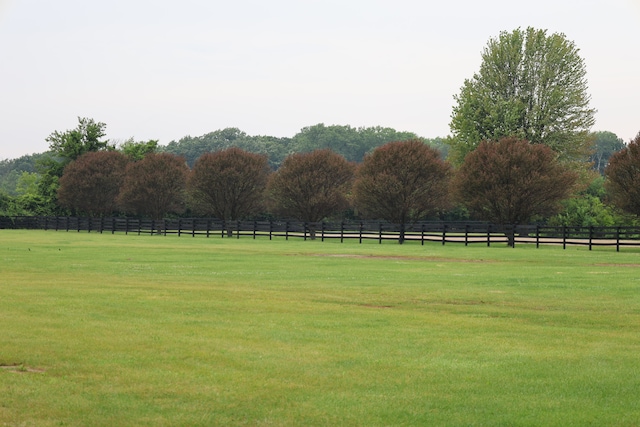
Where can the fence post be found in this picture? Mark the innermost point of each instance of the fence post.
(237, 229)
(270, 228)
(537, 235)
(341, 231)
(466, 234)
(286, 230)
(360, 227)
(380, 233)
(322, 231)
(255, 228)
(304, 231)
(617, 239)
(488, 235)
(590, 235)
(444, 233)
(564, 237)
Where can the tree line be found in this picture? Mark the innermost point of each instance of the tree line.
(520, 150)
(508, 181)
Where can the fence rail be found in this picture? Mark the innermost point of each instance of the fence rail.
(451, 232)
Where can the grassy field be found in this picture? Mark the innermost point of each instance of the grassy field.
(104, 330)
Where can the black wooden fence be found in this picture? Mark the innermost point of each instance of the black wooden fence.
(449, 232)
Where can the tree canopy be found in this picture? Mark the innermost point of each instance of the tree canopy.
(531, 85)
(402, 182)
(350, 142)
(605, 144)
(623, 177)
(155, 186)
(191, 148)
(86, 137)
(511, 181)
(137, 150)
(229, 184)
(311, 186)
(91, 183)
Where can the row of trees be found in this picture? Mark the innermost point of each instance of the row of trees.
(507, 181)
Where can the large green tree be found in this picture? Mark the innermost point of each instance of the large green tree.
(87, 136)
(531, 85)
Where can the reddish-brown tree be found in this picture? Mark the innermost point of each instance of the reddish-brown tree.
(155, 185)
(511, 181)
(91, 183)
(311, 186)
(623, 177)
(402, 182)
(229, 184)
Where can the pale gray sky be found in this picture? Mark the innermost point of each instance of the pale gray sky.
(161, 69)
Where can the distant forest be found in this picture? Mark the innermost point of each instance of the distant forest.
(351, 142)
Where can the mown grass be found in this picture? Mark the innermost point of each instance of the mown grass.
(106, 329)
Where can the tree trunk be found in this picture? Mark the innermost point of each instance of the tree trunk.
(511, 235)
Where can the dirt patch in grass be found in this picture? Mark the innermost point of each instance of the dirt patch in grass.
(402, 258)
(20, 368)
(375, 306)
(618, 265)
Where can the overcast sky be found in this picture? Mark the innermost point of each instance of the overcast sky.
(161, 69)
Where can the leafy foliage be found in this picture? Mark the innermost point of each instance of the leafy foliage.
(73, 143)
(511, 181)
(229, 184)
(11, 171)
(605, 144)
(623, 177)
(311, 186)
(155, 185)
(402, 182)
(91, 183)
(352, 143)
(64, 148)
(193, 147)
(532, 86)
(137, 150)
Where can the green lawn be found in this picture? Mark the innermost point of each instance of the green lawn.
(151, 330)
